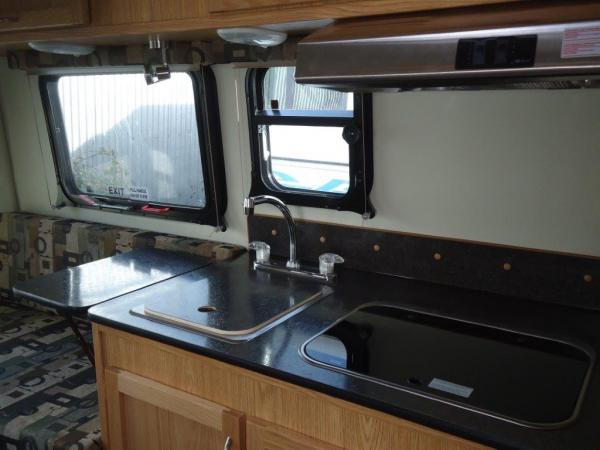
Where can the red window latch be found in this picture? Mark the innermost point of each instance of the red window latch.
(155, 210)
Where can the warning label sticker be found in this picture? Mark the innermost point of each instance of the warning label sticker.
(139, 193)
(581, 43)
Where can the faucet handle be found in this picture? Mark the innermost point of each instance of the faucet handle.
(327, 262)
(262, 249)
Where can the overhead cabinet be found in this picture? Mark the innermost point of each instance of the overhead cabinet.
(108, 20)
(22, 15)
(240, 5)
(366, 6)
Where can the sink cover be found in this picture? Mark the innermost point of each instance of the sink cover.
(234, 304)
(524, 379)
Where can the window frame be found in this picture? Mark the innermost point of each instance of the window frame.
(210, 149)
(360, 151)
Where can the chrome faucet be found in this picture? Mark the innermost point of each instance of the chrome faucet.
(250, 202)
(327, 261)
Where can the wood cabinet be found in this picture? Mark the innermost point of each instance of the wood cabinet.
(240, 5)
(9, 12)
(18, 15)
(158, 397)
(118, 12)
(110, 21)
(148, 415)
(321, 8)
(265, 436)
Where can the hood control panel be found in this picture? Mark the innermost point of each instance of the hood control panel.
(504, 52)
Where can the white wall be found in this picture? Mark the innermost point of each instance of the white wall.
(509, 167)
(8, 198)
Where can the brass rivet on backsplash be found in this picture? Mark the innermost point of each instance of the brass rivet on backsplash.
(377, 247)
(588, 278)
(507, 266)
(322, 239)
(274, 232)
(437, 256)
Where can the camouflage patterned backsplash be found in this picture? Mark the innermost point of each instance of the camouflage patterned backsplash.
(33, 245)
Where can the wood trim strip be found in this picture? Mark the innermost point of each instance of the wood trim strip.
(113, 428)
(493, 16)
(102, 385)
(234, 426)
(431, 236)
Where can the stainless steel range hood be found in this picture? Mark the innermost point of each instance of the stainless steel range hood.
(384, 54)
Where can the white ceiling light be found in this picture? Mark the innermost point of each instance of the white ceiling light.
(63, 48)
(261, 37)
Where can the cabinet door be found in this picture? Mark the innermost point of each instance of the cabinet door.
(144, 414)
(265, 436)
(16, 15)
(9, 12)
(215, 6)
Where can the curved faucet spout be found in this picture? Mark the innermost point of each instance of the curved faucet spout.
(251, 202)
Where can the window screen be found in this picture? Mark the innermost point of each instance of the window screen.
(122, 141)
(281, 92)
(310, 145)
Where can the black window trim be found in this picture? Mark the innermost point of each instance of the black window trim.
(211, 153)
(361, 151)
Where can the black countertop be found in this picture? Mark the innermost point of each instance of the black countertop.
(276, 352)
(75, 289)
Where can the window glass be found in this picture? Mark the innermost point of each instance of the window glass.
(308, 158)
(281, 92)
(128, 140)
(303, 157)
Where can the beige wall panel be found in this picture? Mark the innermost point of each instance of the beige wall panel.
(8, 197)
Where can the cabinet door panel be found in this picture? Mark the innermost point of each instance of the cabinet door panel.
(116, 12)
(144, 414)
(151, 428)
(265, 436)
(9, 12)
(239, 5)
(38, 14)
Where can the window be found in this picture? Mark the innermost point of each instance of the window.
(310, 146)
(123, 145)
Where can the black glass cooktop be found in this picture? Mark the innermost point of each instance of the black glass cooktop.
(525, 379)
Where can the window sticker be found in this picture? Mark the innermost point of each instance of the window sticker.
(139, 193)
(581, 43)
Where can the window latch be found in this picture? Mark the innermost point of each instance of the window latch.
(155, 210)
(103, 203)
(351, 134)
